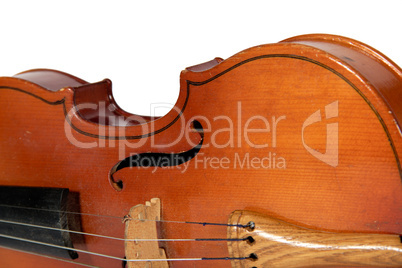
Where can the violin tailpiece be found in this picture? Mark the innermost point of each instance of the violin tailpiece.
(279, 244)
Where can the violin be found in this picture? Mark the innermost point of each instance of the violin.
(283, 155)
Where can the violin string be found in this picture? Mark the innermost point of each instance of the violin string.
(122, 218)
(60, 211)
(50, 257)
(121, 239)
(118, 258)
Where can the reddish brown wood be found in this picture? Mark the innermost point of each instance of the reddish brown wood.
(294, 78)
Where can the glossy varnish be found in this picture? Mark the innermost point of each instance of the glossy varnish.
(284, 83)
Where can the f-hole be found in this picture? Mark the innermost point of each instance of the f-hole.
(154, 159)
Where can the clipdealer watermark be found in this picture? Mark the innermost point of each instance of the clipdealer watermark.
(237, 161)
(237, 132)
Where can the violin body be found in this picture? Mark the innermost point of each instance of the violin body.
(307, 130)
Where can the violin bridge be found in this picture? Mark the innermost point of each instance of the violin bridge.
(141, 224)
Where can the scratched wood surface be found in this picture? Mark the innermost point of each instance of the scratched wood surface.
(259, 150)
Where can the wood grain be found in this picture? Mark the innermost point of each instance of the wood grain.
(141, 224)
(279, 244)
(252, 107)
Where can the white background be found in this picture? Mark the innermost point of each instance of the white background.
(143, 45)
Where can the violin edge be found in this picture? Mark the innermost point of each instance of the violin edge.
(376, 72)
(218, 68)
